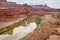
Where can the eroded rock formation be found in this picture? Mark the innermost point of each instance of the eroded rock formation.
(46, 30)
(11, 10)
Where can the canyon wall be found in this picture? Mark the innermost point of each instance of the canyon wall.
(11, 10)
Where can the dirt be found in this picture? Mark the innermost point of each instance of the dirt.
(46, 29)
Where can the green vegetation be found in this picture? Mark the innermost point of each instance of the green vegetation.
(11, 27)
(37, 20)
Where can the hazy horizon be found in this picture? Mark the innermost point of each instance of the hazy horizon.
(50, 3)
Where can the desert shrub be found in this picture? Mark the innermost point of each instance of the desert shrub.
(37, 20)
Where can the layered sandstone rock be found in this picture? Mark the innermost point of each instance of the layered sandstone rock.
(7, 14)
(3, 0)
(44, 30)
(54, 37)
(47, 30)
(11, 10)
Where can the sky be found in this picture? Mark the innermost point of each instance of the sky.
(50, 3)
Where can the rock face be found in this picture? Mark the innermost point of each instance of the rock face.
(54, 37)
(45, 30)
(6, 10)
(3, 0)
(12, 13)
(7, 14)
(11, 10)
(4, 4)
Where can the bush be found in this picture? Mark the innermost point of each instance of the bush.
(37, 20)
